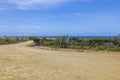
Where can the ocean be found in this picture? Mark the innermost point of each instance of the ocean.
(78, 36)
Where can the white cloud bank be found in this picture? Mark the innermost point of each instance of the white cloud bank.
(33, 4)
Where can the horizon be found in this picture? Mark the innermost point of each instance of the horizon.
(59, 17)
(59, 36)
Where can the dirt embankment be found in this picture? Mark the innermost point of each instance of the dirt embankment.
(21, 62)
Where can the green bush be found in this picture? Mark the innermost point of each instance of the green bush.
(114, 49)
(100, 40)
(86, 47)
(76, 43)
(101, 47)
(95, 48)
(55, 47)
(10, 40)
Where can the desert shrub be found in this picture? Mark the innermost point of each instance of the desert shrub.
(71, 47)
(17, 39)
(36, 40)
(86, 47)
(111, 44)
(100, 40)
(114, 49)
(8, 40)
(55, 47)
(32, 38)
(84, 42)
(116, 41)
(77, 43)
(62, 41)
(101, 47)
(48, 43)
(95, 48)
(74, 40)
(74, 47)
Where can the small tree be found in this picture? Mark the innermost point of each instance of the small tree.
(17, 39)
(6, 39)
(64, 41)
(36, 40)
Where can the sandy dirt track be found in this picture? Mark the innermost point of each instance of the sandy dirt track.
(21, 62)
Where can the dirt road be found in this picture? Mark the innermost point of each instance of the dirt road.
(21, 62)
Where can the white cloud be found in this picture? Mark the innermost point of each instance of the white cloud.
(74, 14)
(78, 14)
(26, 4)
(33, 4)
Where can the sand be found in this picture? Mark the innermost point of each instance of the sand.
(22, 62)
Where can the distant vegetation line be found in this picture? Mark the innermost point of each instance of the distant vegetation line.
(110, 43)
(61, 36)
(95, 43)
(11, 40)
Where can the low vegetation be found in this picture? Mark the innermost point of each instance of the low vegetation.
(109, 44)
(9, 40)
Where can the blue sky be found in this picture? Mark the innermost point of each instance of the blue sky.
(59, 17)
